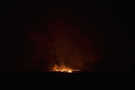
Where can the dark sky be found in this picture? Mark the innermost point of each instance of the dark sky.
(28, 34)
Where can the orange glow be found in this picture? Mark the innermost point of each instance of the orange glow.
(63, 68)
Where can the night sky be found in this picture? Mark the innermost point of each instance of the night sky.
(91, 38)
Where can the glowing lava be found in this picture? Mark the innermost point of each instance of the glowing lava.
(63, 68)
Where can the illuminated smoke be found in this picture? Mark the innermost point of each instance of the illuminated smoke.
(67, 46)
